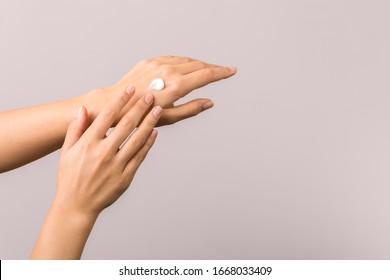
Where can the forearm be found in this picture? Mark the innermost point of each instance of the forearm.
(30, 133)
(63, 235)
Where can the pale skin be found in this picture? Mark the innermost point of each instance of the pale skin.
(94, 171)
(30, 133)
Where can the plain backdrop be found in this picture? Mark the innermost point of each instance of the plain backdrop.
(292, 163)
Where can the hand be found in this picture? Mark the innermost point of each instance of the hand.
(94, 171)
(181, 76)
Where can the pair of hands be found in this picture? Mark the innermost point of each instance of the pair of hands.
(93, 171)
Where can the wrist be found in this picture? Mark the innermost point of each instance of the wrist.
(94, 101)
(64, 233)
(79, 218)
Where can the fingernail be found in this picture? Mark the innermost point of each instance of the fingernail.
(154, 133)
(79, 112)
(233, 69)
(157, 111)
(207, 105)
(129, 90)
(148, 98)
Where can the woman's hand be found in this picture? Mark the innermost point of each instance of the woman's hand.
(94, 171)
(181, 76)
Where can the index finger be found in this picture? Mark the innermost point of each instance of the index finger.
(206, 76)
(109, 114)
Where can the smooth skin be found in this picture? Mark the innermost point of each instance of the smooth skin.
(94, 171)
(30, 133)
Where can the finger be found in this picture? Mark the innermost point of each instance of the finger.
(109, 114)
(206, 76)
(129, 121)
(172, 60)
(189, 67)
(139, 137)
(184, 111)
(76, 129)
(133, 164)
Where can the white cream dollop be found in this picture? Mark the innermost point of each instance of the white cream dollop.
(157, 84)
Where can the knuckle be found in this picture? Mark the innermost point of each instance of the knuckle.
(127, 179)
(208, 73)
(153, 64)
(167, 70)
(108, 114)
(194, 109)
(203, 64)
(104, 156)
(177, 86)
(150, 121)
(200, 64)
(139, 140)
(176, 90)
(126, 122)
(123, 185)
(139, 157)
(148, 145)
(146, 60)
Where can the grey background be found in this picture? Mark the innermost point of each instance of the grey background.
(292, 163)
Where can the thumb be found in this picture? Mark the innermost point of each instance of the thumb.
(184, 111)
(76, 129)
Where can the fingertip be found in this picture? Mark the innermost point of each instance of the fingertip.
(82, 112)
(130, 90)
(81, 121)
(76, 128)
(79, 113)
(157, 112)
(149, 98)
(233, 70)
(82, 115)
(153, 134)
(207, 105)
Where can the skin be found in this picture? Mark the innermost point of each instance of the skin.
(30, 133)
(94, 171)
